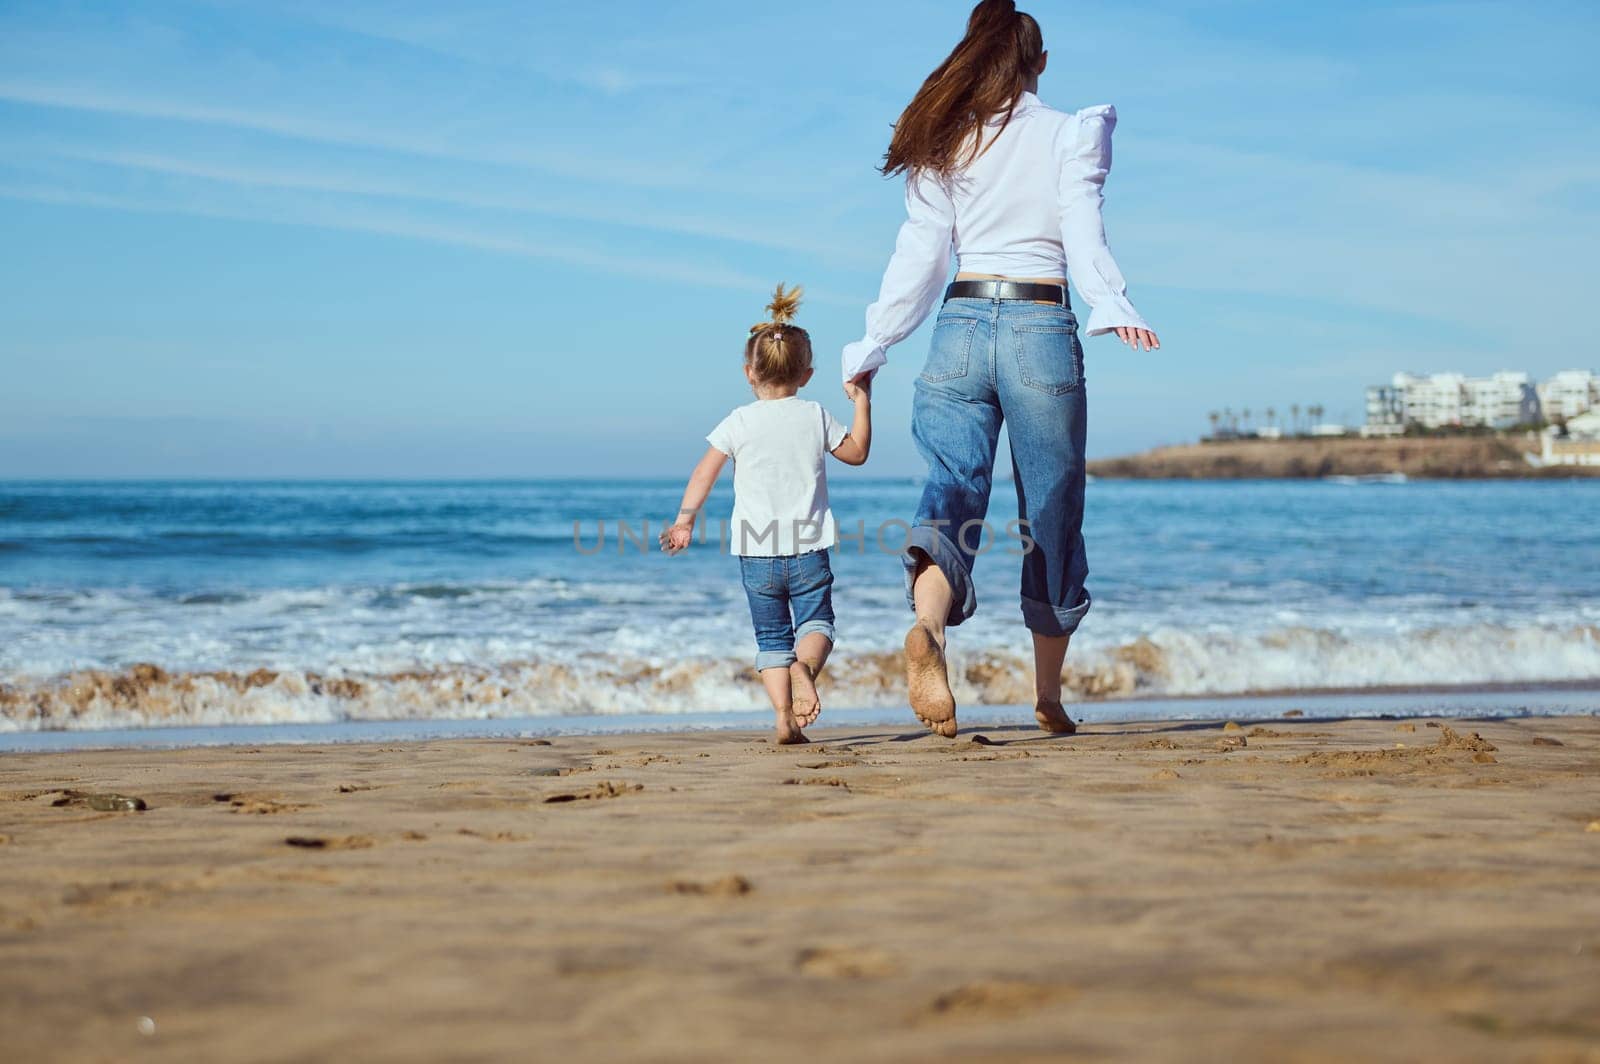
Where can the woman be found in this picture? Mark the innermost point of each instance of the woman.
(1015, 188)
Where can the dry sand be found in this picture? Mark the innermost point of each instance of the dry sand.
(1134, 892)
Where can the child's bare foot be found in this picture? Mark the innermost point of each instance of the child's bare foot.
(1052, 717)
(789, 733)
(803, 694)
(928, 683)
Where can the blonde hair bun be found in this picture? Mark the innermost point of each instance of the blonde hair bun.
(778, 351)
(784, 305)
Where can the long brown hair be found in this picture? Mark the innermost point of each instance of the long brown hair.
(982, 78)
(779, 351)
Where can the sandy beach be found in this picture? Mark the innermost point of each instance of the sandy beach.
(1299, 890)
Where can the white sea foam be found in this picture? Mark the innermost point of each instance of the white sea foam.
(1165, 662)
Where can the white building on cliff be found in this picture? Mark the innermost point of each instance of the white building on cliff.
(1451, 400)
(1576, 442)
(1569, 393)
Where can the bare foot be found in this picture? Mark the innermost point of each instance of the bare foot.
(803, 694)
(928, 683)
(1053, 718)
(789, 733)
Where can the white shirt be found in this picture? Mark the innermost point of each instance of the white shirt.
(1029, 206)
(780, 485)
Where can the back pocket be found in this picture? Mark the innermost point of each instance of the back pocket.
(951, 351)
(1049, 357)
(810, 571)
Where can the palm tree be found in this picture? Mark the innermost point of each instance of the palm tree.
(1271, 416)
(1294, 425)
(1246, 416)
(1214, 418)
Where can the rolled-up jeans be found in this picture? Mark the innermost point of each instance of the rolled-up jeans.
(1020, 364)
(790, 597)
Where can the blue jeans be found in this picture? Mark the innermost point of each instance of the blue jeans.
(1018, 363)
(801, 583)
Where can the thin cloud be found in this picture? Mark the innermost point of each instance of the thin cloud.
(687, 273)
(300, 127)
(645, 217)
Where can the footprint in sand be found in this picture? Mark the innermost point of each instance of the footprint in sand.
(604, 789)
(726, 887)
(1000, 998)
(116, 893)
(1275, 733)
(331, 842)
(845, 963)
(495, 836)
(258, 804)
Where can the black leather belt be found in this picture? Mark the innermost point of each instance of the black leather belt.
(1036, 293)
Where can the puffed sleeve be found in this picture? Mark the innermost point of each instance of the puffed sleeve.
(1083, 149)
(725, 437)
(915, 276)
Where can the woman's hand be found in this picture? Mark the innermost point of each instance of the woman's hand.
(1137, 337)
(858, 388)
(676, 538)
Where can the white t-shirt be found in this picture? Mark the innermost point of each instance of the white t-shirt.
(780, 485)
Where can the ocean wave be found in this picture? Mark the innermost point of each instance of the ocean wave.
(1167, 662)
(223, 543)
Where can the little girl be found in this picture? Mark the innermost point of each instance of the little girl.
(782, 528)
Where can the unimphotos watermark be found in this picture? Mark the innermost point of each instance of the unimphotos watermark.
(972, 538)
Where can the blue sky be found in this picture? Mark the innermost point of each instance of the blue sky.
(509, 239)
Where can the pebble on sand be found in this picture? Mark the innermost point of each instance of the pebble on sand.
(115, 803)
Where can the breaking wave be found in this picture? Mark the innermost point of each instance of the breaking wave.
(1167, 662)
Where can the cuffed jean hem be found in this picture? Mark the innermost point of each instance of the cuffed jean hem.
(1047, 620)
(813, 626)
(774, 659)
(939, 547)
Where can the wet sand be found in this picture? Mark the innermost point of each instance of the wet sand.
(1300, 890)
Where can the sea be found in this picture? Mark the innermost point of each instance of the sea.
(197, 611)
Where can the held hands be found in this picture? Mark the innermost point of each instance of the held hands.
(1137, 337)
(859, 388)
(676, 538)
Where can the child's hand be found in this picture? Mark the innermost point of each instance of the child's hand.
(858, 388)
(676, 538)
